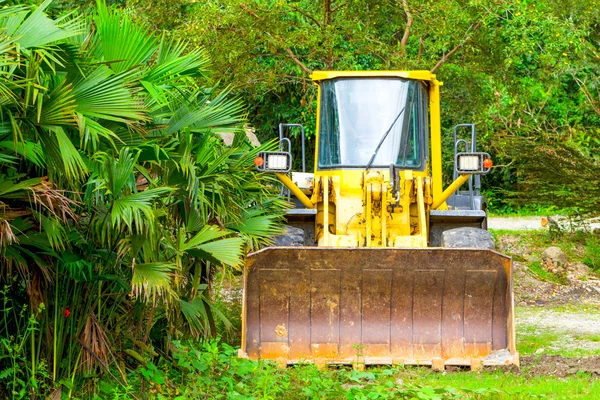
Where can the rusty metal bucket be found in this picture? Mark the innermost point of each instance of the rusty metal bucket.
(379, 306)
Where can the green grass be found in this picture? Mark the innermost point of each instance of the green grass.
(542, 274)
(585, 308)
(529, 343)
(212, 370)
(574, 244)
(578, 353)
(513, 385)
(502, 232)
(553, 343)
(589, 338)
(527, 211)
(228, 375)
(591, 255)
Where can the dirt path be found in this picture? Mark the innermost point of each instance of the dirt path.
(532, 223)
(566, 322)
(514, 223)
(569, 333)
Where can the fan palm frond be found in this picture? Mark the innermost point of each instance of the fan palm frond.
(151, 279)
(202, 115)
(105, 95)
(30, 151)
(92, 133)
(59, 108)
(199, 313)
(211, 244)
(173, 63)
(122, 43)
(36, 29)
(258, 222)
(55, 232)
(119, 172)
(7, 159)
(135, 210)
(72, 163)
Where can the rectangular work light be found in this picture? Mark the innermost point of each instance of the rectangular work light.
(473, 163)
(273, 161)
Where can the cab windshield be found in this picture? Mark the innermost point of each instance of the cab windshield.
(357, 113)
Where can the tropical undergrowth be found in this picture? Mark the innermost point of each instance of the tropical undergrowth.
(118, 200)
(213, 370)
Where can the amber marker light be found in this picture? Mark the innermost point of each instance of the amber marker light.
(487, 163)
(259, 161)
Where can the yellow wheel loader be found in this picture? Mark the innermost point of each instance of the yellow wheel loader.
(390, 268)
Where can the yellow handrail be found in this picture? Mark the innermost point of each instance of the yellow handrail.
(295, 190)
(449, 191)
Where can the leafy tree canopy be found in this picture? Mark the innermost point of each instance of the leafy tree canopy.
(519, 69)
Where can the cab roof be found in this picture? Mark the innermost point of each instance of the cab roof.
(419, 75)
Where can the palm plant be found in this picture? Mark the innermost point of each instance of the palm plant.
(117, 201)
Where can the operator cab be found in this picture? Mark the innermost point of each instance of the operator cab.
(386, 122)
(372, 122)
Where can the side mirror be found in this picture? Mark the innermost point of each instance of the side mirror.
(474, 163)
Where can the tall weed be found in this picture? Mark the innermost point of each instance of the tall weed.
(23, 374)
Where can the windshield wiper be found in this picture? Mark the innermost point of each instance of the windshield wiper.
(385, 135)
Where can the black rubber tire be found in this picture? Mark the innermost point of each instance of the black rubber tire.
(292, 237)
(473, 238)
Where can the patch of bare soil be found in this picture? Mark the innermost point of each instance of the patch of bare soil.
(582, 286)
(559, 366)
(529, 290)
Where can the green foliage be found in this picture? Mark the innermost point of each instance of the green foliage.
(22, 376)
(574, 244)
(542, 274)
(526, 210)
(213, 370)
(119, 203)
(558, 175)
(116, 194)
(591, 257)
(267, 47)
(525, 72)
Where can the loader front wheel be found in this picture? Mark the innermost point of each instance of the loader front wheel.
(473, 238)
